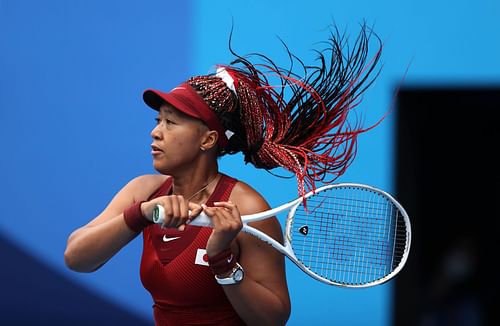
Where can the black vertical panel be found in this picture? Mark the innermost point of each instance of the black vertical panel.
(447, 148)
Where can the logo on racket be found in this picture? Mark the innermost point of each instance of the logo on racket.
(156, 214)
(304, 230)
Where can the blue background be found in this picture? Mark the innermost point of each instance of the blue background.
(74, 129)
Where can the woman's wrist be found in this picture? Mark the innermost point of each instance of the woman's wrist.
(134, 217)
(222, 263)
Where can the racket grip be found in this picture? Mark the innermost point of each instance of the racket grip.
(200, 220)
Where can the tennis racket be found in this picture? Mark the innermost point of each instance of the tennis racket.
(350, 235)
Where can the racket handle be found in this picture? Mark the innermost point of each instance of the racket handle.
(200, 220)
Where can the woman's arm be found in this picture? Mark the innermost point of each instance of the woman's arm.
(262, 297)
(90, 246)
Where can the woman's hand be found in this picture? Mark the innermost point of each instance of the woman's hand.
(178, 211)
(227, 223)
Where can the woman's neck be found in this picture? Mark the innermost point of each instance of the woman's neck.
(196, 185)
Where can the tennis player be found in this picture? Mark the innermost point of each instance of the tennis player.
(219, 276)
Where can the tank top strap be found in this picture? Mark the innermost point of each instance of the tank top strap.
(164, 189)
(223, 190)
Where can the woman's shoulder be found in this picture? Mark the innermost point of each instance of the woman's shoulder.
(144, 185)
(244, 188)
(149, 180)
(248, 199)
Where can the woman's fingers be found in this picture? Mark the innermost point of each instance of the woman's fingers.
(224, 214)
(194, 209)
(227, 224)
(176, 210)
(227, 204)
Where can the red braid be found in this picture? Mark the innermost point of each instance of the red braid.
(308, 132)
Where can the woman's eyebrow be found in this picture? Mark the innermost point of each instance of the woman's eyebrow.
(166, 111)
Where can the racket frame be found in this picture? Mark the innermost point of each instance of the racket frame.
(287, 250)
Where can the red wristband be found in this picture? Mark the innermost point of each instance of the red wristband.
(134, 219)
(223, 262)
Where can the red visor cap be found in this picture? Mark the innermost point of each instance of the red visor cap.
(185, 99)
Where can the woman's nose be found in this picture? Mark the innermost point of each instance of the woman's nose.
(156, 133)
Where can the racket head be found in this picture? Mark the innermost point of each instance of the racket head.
(349, 235)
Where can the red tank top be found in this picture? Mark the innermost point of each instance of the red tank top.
(175, 271)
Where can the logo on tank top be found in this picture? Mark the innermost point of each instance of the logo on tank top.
(201, 257)
(166, 239)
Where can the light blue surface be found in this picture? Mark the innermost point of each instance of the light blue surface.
(74, 126)
(438, 41)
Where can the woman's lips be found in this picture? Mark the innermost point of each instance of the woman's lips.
(155, 150)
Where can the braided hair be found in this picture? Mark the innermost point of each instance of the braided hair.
(300, 123)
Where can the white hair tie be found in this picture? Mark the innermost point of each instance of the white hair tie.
(226, 78)
(229, 81)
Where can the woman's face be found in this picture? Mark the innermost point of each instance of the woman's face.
(177, 138)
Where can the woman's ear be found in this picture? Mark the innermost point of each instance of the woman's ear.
(209, 140)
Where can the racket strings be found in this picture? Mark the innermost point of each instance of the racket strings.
(355, 236)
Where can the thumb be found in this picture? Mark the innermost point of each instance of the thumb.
(210, 211)
(194, 210)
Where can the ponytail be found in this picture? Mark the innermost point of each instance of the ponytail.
(299, 123)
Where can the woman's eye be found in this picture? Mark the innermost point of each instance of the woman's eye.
(167, 121)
